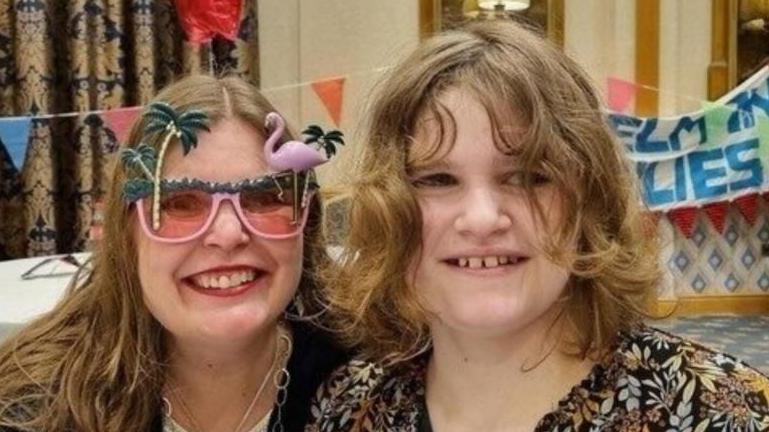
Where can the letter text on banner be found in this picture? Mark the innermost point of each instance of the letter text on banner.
(716, 154)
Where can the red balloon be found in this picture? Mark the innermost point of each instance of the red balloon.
(204, 19)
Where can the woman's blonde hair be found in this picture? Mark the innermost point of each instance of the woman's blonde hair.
(97, 361)
(560, 131)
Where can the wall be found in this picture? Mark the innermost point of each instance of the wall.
(600, 35)
(685, 28)
(305, 41)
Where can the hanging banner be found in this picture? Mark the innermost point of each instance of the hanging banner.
(716, 154)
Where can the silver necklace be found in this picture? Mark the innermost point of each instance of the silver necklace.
(281, 379)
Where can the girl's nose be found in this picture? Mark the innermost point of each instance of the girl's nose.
(483, 214)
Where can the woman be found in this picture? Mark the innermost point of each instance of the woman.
(209, 237)
(519, 303)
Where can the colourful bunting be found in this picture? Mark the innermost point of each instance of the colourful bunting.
(620, 94)
(716, 212)
(684, 219)
(120, 121)
(748, 207)
(14, 134)
(330, 92)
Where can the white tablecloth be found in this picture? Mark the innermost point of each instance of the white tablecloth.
(23, 300)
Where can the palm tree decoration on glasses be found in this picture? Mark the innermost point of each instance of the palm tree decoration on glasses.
(142, 158)
(162, 118)
(327, 141)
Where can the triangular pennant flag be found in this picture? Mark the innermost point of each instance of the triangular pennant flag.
(748, 207)
(14, 134)
(717, 214)
(330, 92)
(620, 94)
(716, 120)
(120, 120)
(684, 218)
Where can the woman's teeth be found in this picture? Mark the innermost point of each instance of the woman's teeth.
(486, 262)
(224, 281)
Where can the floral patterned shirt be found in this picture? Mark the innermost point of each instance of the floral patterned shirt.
(651, 381)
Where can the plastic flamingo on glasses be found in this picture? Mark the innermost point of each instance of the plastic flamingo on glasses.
(297, 155)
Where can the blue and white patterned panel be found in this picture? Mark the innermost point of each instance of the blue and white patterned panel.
(709, 263)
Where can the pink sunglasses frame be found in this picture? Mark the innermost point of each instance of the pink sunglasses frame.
(218, 197)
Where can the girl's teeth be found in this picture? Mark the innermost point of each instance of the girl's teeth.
(485, 262)
(224, 281)
(490, 262)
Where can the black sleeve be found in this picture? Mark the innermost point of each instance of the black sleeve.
(315, 355)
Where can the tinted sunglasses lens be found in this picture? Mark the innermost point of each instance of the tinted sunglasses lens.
(182, 213)
(270, 211)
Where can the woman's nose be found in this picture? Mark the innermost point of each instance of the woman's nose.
(226, 230)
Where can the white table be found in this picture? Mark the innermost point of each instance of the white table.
(23, 300)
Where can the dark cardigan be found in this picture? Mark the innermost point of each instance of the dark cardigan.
(313, 358)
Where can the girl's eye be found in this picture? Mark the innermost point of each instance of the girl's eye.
(434, 180)
(535, 178)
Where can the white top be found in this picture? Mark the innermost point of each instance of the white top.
(170, 425)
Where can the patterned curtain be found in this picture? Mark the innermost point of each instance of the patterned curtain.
(70, 56)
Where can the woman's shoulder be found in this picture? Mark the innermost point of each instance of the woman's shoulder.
(315, 351)
(362, 395)
(315, 355)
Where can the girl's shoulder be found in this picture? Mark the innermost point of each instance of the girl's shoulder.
(655, 380)
(676, 380)
(652, 349)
